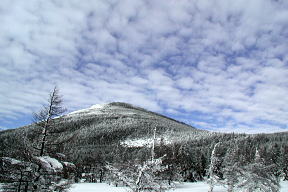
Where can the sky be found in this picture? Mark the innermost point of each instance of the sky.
(218, 65)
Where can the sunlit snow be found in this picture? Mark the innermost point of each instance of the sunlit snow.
(185, 187)
(97, 106)
(50, 163)
(94, 109)
(144, 142)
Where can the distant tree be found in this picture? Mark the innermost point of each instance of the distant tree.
(185, 159)
(284, 163)
(275, 156)
(231, 170)
(258, 177)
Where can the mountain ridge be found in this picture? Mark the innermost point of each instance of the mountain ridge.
(122, 104)
(101, 125)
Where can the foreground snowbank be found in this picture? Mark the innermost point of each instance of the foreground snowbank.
(93, 187)
(185, 187)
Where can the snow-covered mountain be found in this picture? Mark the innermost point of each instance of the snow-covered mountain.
(127, 122)
(110, 124)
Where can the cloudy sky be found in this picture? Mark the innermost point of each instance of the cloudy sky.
(219, 65)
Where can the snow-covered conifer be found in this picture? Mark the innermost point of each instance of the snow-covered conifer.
(258, 177)
(231, 171)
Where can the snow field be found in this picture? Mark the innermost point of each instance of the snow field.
(95, 187)
(185, 187)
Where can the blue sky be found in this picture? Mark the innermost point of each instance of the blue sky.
(219, 65)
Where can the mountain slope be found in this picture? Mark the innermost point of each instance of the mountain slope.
(116, 122)
(105, 125)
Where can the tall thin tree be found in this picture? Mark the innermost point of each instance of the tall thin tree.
(43, 118)
(213, 169)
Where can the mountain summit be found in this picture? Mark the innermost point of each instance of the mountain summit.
(124, 121)
(105, 125)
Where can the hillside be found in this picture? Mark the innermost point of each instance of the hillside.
(104, 125)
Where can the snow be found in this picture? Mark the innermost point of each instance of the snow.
(100, 109)
(284, 186)
(185, 187)
(92, 187)
(136, 142)
(12, 161)
(94, 109)
(68, 164)
(50, 163)
(97, 106)
(144, 142)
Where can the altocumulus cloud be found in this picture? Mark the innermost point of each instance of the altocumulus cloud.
(216, 64)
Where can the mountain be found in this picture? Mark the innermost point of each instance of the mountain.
(106, 125)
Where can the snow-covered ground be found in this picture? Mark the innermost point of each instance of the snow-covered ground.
(95, 187)
(185, 187)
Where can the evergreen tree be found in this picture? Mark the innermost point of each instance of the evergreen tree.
(231, 170)
(284, 162)
(258, 177)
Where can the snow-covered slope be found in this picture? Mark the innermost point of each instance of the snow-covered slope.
(113, 123)
(93, 110)
(126, 123)
(110, 109)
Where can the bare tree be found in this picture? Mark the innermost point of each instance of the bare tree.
(43, 118)
(40, 171)
(48, 168)
(146, 176)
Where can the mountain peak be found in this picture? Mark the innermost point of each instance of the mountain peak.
(93, 109)
(97, 106)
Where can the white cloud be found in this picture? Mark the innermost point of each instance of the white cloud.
(225, 59)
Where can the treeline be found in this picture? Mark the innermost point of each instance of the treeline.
(191, 159)
(186, 160)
